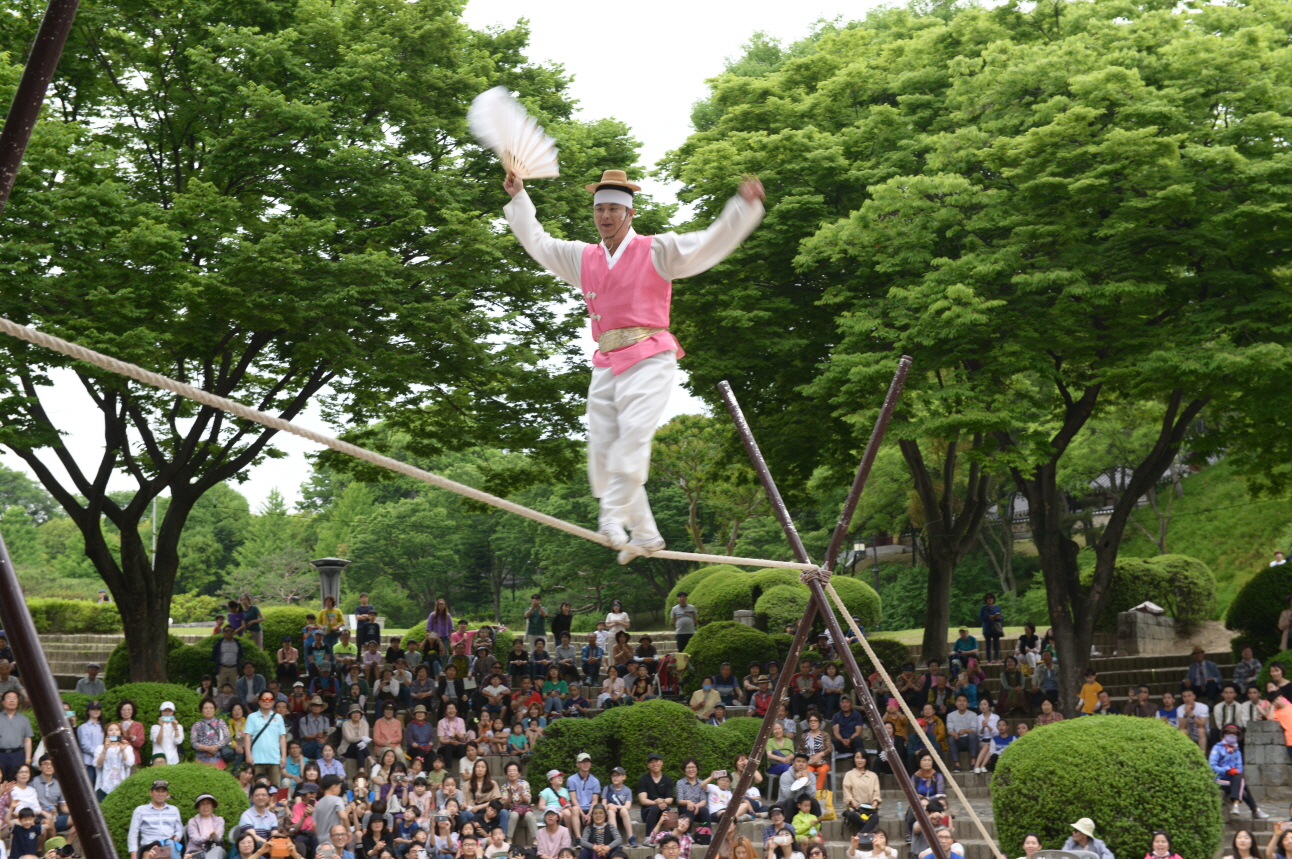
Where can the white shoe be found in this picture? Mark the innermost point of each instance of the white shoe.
(1259, 814)
(615, 533)
(649, 546)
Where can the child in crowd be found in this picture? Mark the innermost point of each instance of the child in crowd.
(807, 826)
(1089, 695)
(517, 742)
(496, 738)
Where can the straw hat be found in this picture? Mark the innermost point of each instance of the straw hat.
(1085, 826)
(614, 178)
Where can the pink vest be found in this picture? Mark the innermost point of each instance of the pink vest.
(630, 295)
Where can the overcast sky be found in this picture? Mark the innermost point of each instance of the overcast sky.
(642, 63)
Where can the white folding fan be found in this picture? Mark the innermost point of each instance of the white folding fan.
(500, 123)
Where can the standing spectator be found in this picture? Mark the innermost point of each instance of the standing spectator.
(249, 685)
(1193, 718)
(1089, 695)
(617, 619)
(1083, 838)
(15, 736)
(861, 797)
(253, 619)
(113, 761)
(330, 620)
(209, 736)
(1045, 681)
(367, 630)
(684, 617)
(90, 684)
(1246, 669)
(654, 792)
(1203, 675)
(167, 734)
(226, 655)
(993, 627)
(266, 741)
(237, 617)
(535, 621)
(89, 736)
(561, 622)
(1226, 761)
(440, 621)
(158, 821)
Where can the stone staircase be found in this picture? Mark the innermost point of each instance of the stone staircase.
(69, 654)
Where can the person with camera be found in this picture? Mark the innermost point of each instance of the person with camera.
(114, 761)
(167, 734)
(58, 848)
(205, 830)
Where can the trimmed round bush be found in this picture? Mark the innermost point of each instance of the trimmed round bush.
(861, 599)
(725, 641)
(186, 664)
(692, 580)
(1184, 586)
(282, 620)
(719, 597)
(746, 730)
(781, 605)
(187, 782)
(1254, 613)
(1130, 776)
(117, 670)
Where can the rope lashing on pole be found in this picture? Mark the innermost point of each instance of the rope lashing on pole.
(888, 681)
(139, 374)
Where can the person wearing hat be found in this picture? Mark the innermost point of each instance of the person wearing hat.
(618, 799)
(553, 837)
(626, 281)
(91, 684)
(1202, 676)
(1226, 761)
(205, 830)
(1083, 838)
(167, 734)
(314, 729)
(778, 836)
(157, 821)
(326, 686)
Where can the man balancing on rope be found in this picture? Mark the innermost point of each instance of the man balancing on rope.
(626, 281)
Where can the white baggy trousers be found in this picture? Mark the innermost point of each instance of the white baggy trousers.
(623, 412)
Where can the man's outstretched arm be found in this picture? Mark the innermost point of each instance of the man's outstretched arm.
(562, 258)
(678, 255)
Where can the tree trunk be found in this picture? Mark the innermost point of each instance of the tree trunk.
(937, 611)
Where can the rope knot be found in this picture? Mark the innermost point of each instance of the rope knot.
(818, 575)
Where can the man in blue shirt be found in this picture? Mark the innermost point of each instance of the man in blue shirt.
(847, 727)
(592, 654)
(585, 788)
(266, 741)
(420, 736)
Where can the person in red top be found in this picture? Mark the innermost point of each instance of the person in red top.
(626, 281)
(524, 696)
(805, 690)
(762, 699)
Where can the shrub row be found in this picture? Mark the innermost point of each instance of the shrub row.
(1184, 586)
(776, 596)
(1254, 613)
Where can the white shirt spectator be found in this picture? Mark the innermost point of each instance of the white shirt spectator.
(988, 726)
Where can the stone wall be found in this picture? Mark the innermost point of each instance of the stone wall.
(1139, 633)
(1265, 758)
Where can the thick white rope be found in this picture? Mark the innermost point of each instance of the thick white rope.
(888, 681)
(139, 374)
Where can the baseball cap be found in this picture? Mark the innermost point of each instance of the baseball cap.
(654, 756)
(166, 705)
(619, 771)
(583, 756)
(551, 774)
(160, 784)
(308, 787)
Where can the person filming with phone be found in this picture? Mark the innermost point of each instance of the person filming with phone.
(167, 735)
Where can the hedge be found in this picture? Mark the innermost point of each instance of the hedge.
(187, 782)
(692, 580)
(623, 736)
(1130, 776)
(1254, 613)
(726, 641)
(717, 597)
(1184, 586)
(861, 600)
(148, 698)
(185, 663)
(779, 606)
(283, 620)
(74, 616)
(117, 670)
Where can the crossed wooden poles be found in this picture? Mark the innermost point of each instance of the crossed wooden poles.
(815, 580)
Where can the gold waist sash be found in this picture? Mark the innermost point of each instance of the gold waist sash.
(618, 338)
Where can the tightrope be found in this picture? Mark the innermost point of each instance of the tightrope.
(933, 753)
(139, 374)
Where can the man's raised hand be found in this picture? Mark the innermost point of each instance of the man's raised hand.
(513, 186)
(751, 189)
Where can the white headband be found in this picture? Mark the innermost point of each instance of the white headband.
(613, 195)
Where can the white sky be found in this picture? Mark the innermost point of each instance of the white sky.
(644, 64)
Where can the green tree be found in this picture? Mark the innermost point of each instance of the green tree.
(19, 490)
(277, 201)
(414, 543)
(1055, 208)
(21, 537)
(336, 531)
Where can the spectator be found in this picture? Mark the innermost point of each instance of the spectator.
(326, 687)
(796, 783)
(266, 741)
(15, 735)
(535, 623)
(1168, 712)
(167, 734)
(1278, 561)
(762, 698)
(874, 846)
(621, 654)
(962, 648)
(90, 684)
(1281, 712)
(600, 838)
(114, 760)
(89, 736)
(1104, 706)
(9, 682)
(950, 847)
(451, 732)
(356, 736)
(704, 699)
(540, 659)
(778, 836)
(1028, 649)
(585, 789)
(330, 620)
(1255, 708)
(846, 728)
(249, 685)
(236, 617)
(1203, 676)
(226, 655)
(861, 798)
(1193, 718)
(1045, 680)
(345, 652)
(253, 619)
(205, 832)
(962, 733)
(618, 800)
(553, 837)
(1083, 838)
(726, 685)
(654, 792)
(684, 617)
(592, 655)
(1089, 694)
(288, 669)
(1278, 684)
(993, 627)
(1246, 669)
(1226, 761)
(647, 655)
(1226, 712)
(1013, 696)
(780, 750)
(1161, 848)
(158, 821)
(1139, 705)
(260, 817)
(1047, 716)
(816, 744)
(53, 805)
(566, 655)
(1244, 845)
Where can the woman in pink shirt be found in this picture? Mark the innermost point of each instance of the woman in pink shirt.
(452, 734)
(388, 733)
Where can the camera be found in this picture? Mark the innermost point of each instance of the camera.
(201, 854)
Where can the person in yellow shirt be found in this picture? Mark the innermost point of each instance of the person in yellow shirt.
(1089, 696)
(704, 699)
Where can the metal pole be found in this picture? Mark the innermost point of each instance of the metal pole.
(819, 602)
(24, 111)
(867, 460)
(60, 741)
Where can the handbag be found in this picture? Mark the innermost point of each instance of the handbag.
(228, 754)
(826, 800)
(997, 628)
